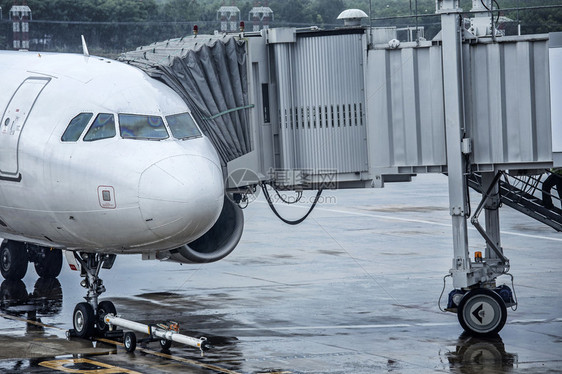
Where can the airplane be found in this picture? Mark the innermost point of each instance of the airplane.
(99, 159)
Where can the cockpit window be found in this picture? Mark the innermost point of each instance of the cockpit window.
(183, 126)
(102, 128)
(75, 127)
(135, 126)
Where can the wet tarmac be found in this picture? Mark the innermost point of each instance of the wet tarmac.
(353, 289)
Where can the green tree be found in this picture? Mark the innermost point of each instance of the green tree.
(118, 25)
(291, 12)
(326, 12)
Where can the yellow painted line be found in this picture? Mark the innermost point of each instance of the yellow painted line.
(180, 359)
(176, 358)
(145, 350)
(14, 318)
(113, 342)
(61, 365)
(188, 361)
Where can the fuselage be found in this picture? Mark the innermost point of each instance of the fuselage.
(97, 156)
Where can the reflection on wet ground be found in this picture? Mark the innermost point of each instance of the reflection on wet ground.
(348, 291)
(481, 355)
(45, 300)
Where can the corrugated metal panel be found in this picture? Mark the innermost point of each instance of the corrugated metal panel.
(508, 101)
(405, 107)
(555, 62)
(506, 105)
(321, 103)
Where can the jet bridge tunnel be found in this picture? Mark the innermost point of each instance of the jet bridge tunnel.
(347, 106)
(353, 107)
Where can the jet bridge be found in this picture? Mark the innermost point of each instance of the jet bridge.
(341, 104)
(354, 107)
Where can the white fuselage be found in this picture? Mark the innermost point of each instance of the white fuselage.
(115, 194)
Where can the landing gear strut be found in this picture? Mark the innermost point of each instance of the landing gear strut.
(88, 316)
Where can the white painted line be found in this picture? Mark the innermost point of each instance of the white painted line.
(379, 216)
(378, 326)
(529, 235)
(343, 327)
(531, 321)
(394, 218)
(434, 324)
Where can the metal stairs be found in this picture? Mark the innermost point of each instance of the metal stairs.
(524, 193)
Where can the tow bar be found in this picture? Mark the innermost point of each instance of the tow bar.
(166, 333)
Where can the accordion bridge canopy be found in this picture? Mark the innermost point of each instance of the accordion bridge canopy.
(209, 72)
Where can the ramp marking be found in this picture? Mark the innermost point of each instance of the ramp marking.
(109, 341)
(61, 365)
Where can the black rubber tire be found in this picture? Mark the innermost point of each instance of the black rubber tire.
(130, 341)
(83, 320)
(165, 344)
(51, 265)
(13, 260)
(482, 312)
(104, 308)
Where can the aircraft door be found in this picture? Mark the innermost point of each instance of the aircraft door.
(13, 121)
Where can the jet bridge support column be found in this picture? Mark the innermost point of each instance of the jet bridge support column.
(492, 215)
(454, 125)
(480, 306)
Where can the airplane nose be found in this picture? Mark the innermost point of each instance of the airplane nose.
(181, 197)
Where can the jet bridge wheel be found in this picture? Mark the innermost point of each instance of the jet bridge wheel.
(83, 319)
(482, 312)
(13, 260)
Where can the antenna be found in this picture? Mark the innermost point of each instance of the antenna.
(370, 15)
(84, 47)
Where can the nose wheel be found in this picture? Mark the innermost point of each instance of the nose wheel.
(83, 320)
(482, 312)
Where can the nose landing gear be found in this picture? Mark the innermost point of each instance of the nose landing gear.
(88, 317)
(92, 319)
